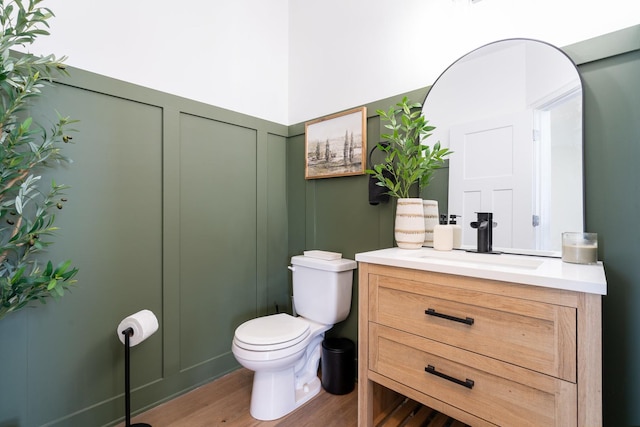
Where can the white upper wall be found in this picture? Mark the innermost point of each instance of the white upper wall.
(346, 53)
(231, 54)
(289, 61)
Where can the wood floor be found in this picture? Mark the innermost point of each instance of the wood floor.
(225, 402)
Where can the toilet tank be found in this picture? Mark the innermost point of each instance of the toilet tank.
(322, 288)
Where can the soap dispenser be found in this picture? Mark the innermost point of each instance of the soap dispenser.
(443, 235)
(456, 231)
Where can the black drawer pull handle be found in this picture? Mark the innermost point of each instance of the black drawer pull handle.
(467, 383)
(466, 321)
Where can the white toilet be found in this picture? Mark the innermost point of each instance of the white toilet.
(284, 350)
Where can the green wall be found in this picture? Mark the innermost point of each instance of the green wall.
(334, 214)
(612, 112)
(193, 212)
(174, 206)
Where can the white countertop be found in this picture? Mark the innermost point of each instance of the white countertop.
(530, 270)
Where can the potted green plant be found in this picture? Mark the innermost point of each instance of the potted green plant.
(409, 164)
(27, 205)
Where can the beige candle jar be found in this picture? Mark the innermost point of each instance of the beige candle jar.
(580, 248)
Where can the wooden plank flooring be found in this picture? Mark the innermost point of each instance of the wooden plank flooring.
(225, 402)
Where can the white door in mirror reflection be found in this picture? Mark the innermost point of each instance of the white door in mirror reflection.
(558, 200)
(495, 174)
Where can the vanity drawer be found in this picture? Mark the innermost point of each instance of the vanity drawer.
(535, 335)
(495, 391)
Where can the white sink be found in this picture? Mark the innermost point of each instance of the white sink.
(477, 259)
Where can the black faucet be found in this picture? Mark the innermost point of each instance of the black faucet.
(484, 225)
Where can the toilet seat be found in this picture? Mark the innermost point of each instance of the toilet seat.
(272, 332)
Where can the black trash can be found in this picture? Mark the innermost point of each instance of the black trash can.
(338, 365)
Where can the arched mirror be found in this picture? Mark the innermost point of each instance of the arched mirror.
(512, 113)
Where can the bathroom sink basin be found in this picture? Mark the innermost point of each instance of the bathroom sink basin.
(480, 259)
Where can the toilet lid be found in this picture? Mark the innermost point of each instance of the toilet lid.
(275, 329)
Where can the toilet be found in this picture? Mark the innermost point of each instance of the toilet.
(284, 350)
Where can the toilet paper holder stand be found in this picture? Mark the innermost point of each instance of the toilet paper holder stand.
(128, 333)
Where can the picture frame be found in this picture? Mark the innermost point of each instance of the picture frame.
(336, 145)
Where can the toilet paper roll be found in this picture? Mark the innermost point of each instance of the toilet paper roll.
(144, 324)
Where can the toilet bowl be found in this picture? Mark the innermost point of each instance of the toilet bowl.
(283, 350)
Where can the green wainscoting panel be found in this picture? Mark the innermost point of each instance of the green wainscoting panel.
(296, 195)
(346, 222)
(217, 235)
(275, 196)
(111, 228)
(13, 354)
(164, 214)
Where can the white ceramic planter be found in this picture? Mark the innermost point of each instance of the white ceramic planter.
(409, 225)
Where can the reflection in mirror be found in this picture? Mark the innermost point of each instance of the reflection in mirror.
(512, 113)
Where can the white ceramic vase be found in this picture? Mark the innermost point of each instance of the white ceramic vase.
(430, 220)
(409, 225)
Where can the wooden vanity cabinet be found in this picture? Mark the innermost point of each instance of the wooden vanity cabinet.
(484, 352)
